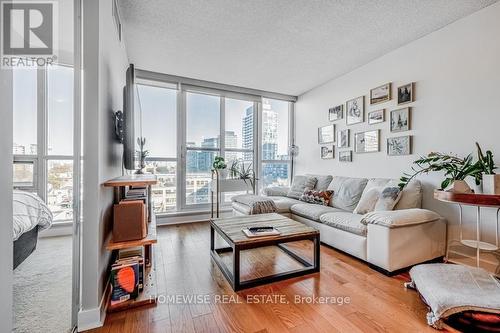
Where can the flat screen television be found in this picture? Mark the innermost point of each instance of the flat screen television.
(128, 120)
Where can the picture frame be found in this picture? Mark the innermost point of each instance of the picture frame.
(399, 145)
(343, 138)
(406, 93)
(336, 112)
(326, 134)
(380, 94)
(367, 142)
(327, 152)
(400, 120)
(345, 156)
(376, 117)
(355, 110)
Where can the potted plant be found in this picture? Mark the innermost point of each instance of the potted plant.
(490, 180)
(219, 166)
(142, 154)
(240, 171)
(455, 170)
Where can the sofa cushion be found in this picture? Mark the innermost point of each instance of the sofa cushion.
(311, 211)
(300, 184)
(346, 192)
(283, 204)
(275, 191)
(346, 221)
(322, 181)
(378, 198)
(368, 200)
(317, 197)
(411, 196)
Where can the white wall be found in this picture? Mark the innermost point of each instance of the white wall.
(457, 75)
(105, 63)
(6, 201)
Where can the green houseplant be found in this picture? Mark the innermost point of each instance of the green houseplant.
(455, 169)
(238, 170)
(488, 178)
(219, 166)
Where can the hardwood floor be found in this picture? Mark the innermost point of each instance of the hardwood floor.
(377, 303)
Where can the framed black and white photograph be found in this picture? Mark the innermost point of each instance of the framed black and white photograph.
(343, 138)
(380, 94)
(355, 110)
(327, 152)
(398, 146)
(400, 120)
(326, 134)
(336, 113)
(406, 93)
(376, 117)
(345, 156)
(367, 142)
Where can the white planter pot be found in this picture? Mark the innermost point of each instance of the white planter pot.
(223, 173)
(491, 184)
(459, 186)
(478, 189)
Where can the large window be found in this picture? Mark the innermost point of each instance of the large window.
(43, 136)
(158, 124)
(275, 132)
(186, 127)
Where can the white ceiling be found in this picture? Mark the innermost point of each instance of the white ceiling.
(285, 46)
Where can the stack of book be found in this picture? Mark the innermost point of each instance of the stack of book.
(127, 275)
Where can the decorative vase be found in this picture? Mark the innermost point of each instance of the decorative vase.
(491, 184)
(459, 186)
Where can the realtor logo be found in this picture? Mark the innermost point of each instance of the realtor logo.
(28, 33)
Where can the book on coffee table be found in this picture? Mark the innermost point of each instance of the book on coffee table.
(261, 231)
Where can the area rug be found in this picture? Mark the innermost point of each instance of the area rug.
(42, 288)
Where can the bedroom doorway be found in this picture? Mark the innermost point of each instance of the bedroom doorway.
(46, 181)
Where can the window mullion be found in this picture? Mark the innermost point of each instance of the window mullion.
(42, 128)
(222, 135)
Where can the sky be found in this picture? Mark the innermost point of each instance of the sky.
(202, 121)
(60, 109)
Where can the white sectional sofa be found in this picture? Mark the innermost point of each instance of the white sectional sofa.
(387, 240)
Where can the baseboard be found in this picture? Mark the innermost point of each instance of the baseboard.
(95, 317)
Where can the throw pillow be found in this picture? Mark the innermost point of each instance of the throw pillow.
(317, 197)
(368, 201)
(299, 185)
(378, 199)
(388, 198)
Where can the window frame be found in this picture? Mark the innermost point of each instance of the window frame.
(42, 158)
(184, 85)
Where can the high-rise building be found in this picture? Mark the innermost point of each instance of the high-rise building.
(269, 132)
(247, 132)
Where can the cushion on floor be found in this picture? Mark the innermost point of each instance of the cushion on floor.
(450, 289)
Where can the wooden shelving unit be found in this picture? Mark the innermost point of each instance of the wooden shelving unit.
(148, 295)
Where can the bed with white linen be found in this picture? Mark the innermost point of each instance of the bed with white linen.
(30, 215)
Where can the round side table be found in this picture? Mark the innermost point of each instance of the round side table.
(479, 201)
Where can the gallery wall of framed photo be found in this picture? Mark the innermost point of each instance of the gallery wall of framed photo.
(388, 112)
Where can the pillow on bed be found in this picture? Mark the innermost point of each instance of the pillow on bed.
(29, 210)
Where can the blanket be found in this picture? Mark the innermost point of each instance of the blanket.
(257, 203)
(29, 211)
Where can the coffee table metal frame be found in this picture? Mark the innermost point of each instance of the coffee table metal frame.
(234, 276)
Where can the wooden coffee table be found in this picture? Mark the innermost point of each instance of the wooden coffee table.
(230, 229)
